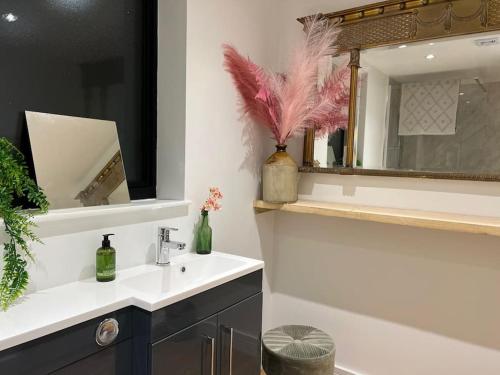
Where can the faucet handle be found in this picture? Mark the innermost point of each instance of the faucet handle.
(164, 232)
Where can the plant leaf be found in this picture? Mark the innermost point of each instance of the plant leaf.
(16, 183)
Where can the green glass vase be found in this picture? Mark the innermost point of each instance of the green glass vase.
(204, 235)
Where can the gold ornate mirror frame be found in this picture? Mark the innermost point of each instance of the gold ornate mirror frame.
(397, 22)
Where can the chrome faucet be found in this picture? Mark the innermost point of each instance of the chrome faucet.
(165, 245)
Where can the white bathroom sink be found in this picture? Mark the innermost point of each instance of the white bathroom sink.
(182, 273)
(186, 275)
(149, 287)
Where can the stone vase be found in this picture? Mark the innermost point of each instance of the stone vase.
(280, 176)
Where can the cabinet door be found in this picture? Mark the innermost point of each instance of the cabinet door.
(115, 360)
(240, 338)
(192, 351)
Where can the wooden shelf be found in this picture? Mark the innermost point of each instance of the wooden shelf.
(414, 218)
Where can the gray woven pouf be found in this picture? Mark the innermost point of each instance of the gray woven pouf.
(298, 350)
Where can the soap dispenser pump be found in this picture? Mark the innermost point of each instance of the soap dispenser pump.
(106, 261)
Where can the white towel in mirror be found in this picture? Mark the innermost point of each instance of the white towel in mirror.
(429, 108)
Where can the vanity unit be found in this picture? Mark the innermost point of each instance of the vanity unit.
(200, 315)
(216, 332)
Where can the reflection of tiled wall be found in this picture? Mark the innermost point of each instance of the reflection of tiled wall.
(474, 147)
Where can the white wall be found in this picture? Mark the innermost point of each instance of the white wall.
(220, 150)
(397, 300)
(171, 153)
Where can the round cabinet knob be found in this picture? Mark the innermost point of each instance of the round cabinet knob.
(107, 331)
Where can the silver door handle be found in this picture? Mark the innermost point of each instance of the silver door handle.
(231, 339)
(231, 335)
(211, 341)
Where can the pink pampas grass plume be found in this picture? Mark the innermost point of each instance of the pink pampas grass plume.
(253, 85)
(332, 111)
(289, 103)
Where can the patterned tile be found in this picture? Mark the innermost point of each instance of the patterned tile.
(429, 107)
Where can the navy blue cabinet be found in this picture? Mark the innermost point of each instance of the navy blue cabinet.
(114, 360)
(65, 349)
(217, 332)
(227, 343)
(240, 338)
(191, 351)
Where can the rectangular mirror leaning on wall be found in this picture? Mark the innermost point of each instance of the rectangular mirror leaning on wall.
(426, 101)
(78, 161)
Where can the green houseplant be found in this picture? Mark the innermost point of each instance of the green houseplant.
(16, 184)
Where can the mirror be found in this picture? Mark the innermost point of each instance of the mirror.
(78, 161)
(431, 106)
(423, 92)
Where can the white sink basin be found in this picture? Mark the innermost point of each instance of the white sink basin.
(182, 273)
(158, 286)
(149, 287)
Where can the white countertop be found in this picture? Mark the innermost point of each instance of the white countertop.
(149, 287)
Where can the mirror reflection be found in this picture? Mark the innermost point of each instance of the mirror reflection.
(330, 149)
(431, 106)
(78, 161)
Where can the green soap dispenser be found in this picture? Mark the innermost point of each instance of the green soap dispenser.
(105, 264)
